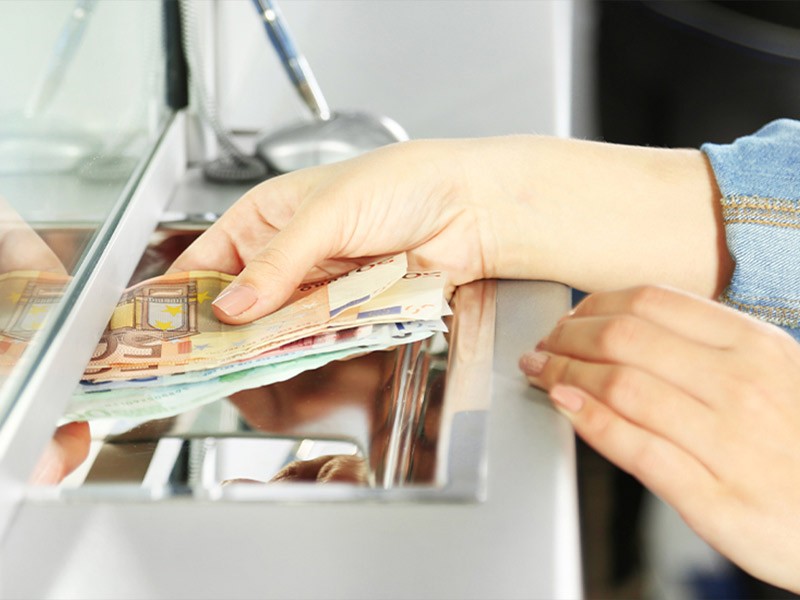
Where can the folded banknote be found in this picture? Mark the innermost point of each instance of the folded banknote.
(168, 321)
(165, 352)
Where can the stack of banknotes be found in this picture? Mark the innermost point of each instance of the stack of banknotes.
(165, 352)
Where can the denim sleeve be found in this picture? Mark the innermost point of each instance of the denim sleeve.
(759, 177)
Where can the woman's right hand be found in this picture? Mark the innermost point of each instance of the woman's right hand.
(319, 222)
(591, 215)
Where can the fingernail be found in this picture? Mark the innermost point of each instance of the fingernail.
(532, 363)
(235, 299)
(569, 398)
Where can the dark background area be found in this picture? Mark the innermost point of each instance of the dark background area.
(678, 74)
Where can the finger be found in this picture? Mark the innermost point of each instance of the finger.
(247, 226)
(691, 316)
(274, 274)
(63, 454)
(627, 340)
(214, 250)
(667, 470)
(646, 401)
(22, 249)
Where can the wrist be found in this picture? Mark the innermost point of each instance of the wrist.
(596, 215)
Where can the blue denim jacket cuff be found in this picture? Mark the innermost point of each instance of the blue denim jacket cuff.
(759, 177)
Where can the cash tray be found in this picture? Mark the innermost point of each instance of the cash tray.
(408, 423)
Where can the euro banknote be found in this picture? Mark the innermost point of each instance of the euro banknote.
(164, 351)
(176, 394)
(168, 321)
(26, 300)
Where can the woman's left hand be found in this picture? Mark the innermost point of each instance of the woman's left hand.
(700, 402)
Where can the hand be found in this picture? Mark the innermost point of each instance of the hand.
(336, 468)
(482, 208)
(700, 403)
(21, 249)
(63, 454)
(320, 222)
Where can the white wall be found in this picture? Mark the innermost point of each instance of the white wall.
(438, 67)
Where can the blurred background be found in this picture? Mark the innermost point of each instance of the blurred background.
(676, 73)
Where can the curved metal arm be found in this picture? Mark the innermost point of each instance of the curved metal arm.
(293, 62)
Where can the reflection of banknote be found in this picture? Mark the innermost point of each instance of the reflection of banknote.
(174, 394)
(164, 351)
(26, 299)
(166, 324)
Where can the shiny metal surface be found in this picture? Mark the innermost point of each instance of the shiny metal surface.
(520, 541)
(332, 135)
(37, 388)
(407, 423)
(310, 539)
(342, 136)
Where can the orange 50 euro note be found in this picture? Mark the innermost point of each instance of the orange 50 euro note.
(166, 324)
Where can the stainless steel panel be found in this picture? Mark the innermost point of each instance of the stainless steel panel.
(520, 541)
(408, 423)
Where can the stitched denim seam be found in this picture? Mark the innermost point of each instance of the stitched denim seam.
(786, 317)
(758, 210)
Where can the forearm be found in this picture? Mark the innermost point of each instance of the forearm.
(601, 216)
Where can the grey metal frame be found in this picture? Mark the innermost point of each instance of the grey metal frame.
(40, 389)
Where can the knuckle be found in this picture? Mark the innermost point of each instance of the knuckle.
(596, 425)
(557, 370)
(645, 460)
(765, 355)
(620, 388)
(757, 339)
(750, 397)
(644, 299)
(774, 346)
(270, 262)
(617, 334)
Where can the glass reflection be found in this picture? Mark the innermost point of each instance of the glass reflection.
(78, 103)
(82, 106)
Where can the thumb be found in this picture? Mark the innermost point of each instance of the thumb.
(272, 276)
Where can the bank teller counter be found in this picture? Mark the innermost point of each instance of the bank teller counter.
(381, 421)
(429, 470)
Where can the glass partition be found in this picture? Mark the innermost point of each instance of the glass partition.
(82, 105)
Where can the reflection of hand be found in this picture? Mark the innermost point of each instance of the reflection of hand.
(699, 402)
(340, 468)
(63, 454)
(21, 249)
(331, 468)
(294, 406)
